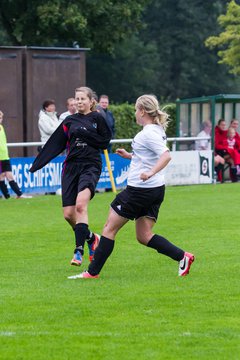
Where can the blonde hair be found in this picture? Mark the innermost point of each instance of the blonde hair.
(150, 104)
(231, 129)
(90, 94)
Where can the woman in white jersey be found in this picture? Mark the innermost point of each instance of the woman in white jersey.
(144, 194)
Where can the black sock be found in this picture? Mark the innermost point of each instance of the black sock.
(163, 246)
(81, 233)
(103, 251)
(219, 167)
(4, 189)
(15, 187)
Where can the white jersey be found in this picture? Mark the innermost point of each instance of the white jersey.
(203, 144)
(148, 145)
(64, 115)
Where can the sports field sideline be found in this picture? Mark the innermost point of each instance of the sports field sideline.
(139, 308)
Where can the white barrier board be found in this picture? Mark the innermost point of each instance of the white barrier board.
(189, 167)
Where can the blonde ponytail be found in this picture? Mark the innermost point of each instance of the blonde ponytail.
(150, 104)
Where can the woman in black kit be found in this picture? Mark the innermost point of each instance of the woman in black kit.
(83, 135)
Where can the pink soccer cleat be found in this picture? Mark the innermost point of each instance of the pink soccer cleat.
(185, 264)
(83, 275)
(92, 247)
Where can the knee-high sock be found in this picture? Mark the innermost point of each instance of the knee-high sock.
(233, 174)
(219, 170)
(163, 246)
(81, 233)
(4, 189)
(102, 252)
(15, 187)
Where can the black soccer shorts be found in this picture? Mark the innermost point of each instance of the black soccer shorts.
(134, 202)
(75, 178)
(5, 165)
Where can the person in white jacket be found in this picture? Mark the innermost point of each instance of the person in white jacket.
(48, 120)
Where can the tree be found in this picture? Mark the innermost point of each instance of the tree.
(127, 74)
(229, 38)
(98, 24)
(167, 57)
(186, 67)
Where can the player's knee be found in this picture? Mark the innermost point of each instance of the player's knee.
(80, 208)
(143, 238)
(69, 216)
(109, 230)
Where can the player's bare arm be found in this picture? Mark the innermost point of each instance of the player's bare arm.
(160, 164)
(124, 154)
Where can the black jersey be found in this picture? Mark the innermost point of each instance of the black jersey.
(81, 135)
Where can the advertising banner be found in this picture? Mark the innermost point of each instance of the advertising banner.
(189, 167)
(185, 168)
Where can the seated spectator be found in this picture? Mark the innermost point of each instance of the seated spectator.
(227, 145)
(48, 120)
(234, 124)
(232, 147)
(220, 136)
(6, 168)
(71, 109)
(205, 144)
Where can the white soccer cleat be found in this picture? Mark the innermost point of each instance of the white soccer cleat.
(185, 264)
(24, 197)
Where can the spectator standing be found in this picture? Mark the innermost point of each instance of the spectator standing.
(6, 168)
(48, 120)
(102, 107)
(71, 109)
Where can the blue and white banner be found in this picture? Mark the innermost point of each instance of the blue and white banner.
(48, 179)
(186, 167)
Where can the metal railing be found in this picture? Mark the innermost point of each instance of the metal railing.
(173, 140)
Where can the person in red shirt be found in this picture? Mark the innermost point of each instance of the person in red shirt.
(232, 147)
(220, 136)
(227, 145)
(234, 124)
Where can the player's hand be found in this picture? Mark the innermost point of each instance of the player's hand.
(146, 175)
(123, 153)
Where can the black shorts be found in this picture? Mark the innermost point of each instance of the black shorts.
(75, 178)
(133, 202)
(5, 165)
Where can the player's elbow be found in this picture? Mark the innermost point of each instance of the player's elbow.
(168, 156)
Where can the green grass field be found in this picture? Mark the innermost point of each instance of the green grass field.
(139, 308)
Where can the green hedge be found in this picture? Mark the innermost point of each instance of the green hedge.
(126, 126)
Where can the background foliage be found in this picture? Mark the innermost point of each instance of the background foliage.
(126, 126)
(168, 56)
(138, 46)
(228, 40)
(95, 23)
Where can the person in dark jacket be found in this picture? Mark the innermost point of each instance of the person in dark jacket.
(83, 135)
(102, 108)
